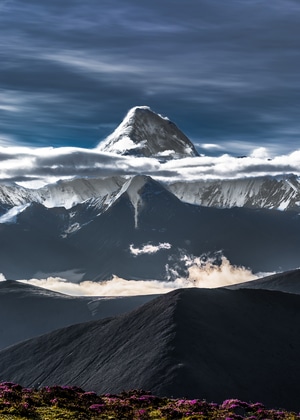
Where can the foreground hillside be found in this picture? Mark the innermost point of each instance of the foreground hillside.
(27, 311)
(49, 403)
(39, 311)
(216, 344)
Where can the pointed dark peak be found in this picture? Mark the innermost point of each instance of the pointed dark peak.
(142, 191)
(145, 133)
(136, 183)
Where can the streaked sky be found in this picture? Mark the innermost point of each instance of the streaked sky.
(226, 72)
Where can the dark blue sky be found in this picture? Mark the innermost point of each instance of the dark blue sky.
(226, 72)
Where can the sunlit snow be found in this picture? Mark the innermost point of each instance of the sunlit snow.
(11, 215)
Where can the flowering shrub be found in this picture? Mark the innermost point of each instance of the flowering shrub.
(65, 402)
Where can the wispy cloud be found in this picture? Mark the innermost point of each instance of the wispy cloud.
(148, 248)
(209, 146)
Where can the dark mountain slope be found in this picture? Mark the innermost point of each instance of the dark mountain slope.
(288, 282)
(98, 354)
(242, 344)
(212, 344)
(263, 240)
(27, 311)
(144, 213)
(34, 244)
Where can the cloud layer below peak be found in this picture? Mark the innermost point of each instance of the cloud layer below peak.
(34, 167)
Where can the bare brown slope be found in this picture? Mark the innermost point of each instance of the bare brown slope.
(212, 344)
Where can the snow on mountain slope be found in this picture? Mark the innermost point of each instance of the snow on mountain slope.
(145, 133)
(11, 215)
(282, 193)
(15, 195)
(71, 192)
(268, 192)
(65, 193)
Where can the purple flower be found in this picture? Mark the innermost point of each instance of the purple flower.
(98, 408)
(257, 406)
(90, 393)
(192, 402)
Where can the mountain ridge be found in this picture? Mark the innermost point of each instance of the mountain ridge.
(270, 192)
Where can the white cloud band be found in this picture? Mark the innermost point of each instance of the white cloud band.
(44, 165)
(202, 274)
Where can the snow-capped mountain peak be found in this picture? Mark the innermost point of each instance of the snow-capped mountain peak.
(145, 133)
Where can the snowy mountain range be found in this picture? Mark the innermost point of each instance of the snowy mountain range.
(281, 193)
(138, 227)
(145, 133)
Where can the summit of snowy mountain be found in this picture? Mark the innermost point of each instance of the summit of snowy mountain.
(145, 133)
